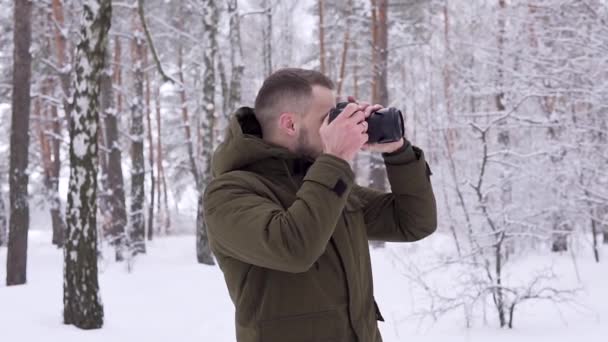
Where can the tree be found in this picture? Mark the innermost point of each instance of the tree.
(236, 56)
(81, 298)
(3, 220)
(377, 175)
(161, 180)
(345, 43)
(321, 38)
(6, 42)
(57, 25)
(137, 226)
(210, 20)
(379, 79)
(49, 134)
(19, 221)
(267, 39)
(47, 117)
(115, 193)
(150, 153)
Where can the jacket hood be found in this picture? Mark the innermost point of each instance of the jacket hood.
(244, 149)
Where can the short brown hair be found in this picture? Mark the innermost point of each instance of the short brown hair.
(287, 89)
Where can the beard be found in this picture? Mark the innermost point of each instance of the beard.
(304, 147)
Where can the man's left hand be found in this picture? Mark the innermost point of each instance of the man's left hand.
(386, 147)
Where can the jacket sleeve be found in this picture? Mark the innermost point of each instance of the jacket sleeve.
(408, 212)
(251, 227)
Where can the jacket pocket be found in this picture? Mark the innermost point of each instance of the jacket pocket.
(321, 326)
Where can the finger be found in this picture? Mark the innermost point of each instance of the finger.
(365, 138)
(369, 110)
(363, 105)
(363, 126)
(357, 117)
(351, 99)
(325, 121)
(348, 111)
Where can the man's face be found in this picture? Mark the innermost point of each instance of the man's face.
(309, 140)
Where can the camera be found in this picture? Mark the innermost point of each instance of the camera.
(383, 126)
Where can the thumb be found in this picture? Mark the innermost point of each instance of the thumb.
(325, 121)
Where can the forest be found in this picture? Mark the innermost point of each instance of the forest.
(110, 112)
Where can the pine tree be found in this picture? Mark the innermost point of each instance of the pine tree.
(19, 220)
(115, 198)
(137, 228)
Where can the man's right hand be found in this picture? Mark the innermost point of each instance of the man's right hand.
(346, 134)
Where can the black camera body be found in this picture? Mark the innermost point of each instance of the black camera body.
(383, 126)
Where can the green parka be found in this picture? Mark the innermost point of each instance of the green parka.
(291, 235)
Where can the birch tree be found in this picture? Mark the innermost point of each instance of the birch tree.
(81, 298)
(210, 18)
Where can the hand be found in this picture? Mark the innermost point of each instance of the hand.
(384, 148)
(365, 106)
(346, 134)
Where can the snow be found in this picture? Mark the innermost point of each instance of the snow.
(167, 88)
(168, 296)
(80, 145)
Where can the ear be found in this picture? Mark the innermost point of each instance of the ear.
(287, 123)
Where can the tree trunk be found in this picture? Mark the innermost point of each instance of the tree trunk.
(81, 298)
(447, 80)
(210, 21)
(594, 232)
(165, 218)
(186, 119)
(267, 39)
(50, 159)
(355, 71)
(374, 31)
(115, 183)
(19, 220)
(51, 123)
(506, 191)
(223, 85)
(499, 300)
(503, 134)
(137, 228)
(320, 4)
(236, 57)
(382, 50)
(151, 154)
(61, 49)
(345, 44)
(57, 213)
(379, 86)
(117, 75)
(3, 221)
(103, 201)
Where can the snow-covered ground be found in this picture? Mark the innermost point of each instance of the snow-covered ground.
(169, 297)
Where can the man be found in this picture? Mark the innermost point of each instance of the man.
(287, 223)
